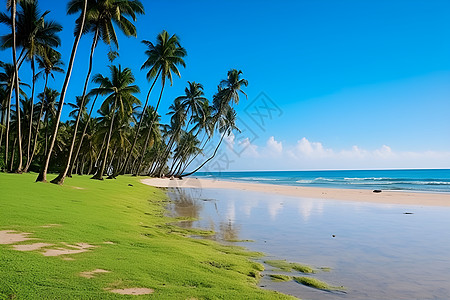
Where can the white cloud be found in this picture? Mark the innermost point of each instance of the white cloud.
(273, 146)
(307, 154)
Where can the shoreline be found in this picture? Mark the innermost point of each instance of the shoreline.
(354, 195)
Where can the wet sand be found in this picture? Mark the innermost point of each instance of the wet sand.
(358, 195)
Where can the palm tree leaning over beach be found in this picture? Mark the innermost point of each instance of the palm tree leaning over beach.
(80, 22)
(225, 115)
(120, 100)
(100, 16)
(162, 59)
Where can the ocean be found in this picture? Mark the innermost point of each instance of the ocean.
(420, 180)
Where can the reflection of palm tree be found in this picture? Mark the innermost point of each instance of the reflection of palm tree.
(228, 231)
(184, 205)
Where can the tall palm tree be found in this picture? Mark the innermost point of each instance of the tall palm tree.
(120, 90)
(49, 61)
(44, 168)
(225, 116)
(101, 15)
(162, 59)
(33, 35)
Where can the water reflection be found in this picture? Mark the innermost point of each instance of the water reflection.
(376, 251)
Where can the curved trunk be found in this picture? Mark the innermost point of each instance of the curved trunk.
(144, 151)
(62, 175)
(43, 174)
(122, 170)
(30, 128)
(99, 174)
(206, 161)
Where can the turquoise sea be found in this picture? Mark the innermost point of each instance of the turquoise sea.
(424, 180)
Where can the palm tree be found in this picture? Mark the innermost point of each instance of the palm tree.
(47, 106)
(80, 21)
(7, 81)
(49, 61)
(120, 100)
(33, 34)
(101, 14)
(225, 116)
(162, 59)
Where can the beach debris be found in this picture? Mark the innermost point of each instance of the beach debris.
(333, 235)
(377, 191)
(133, 291)
(130, 184)
(91, 274)
(408, 213)
(31, 247)
(12, 237)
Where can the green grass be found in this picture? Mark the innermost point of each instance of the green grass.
(147, 252)
(318, 284)
(289, 266)
(280, 278)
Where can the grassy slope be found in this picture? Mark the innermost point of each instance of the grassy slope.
(147, 252)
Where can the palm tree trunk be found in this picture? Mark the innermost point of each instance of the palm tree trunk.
(204, 145)
(30, 128)
(16, 83)
(206, 161)
(43, 174)
(144, 151)
(122, 169)
(99, 174)
(62, 175)
(36, 132)
(8, 117)
(12, 155)
(82, 136)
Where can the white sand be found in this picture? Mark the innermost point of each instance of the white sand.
(385, 197)
(78, 248)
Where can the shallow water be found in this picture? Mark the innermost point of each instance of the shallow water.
(378, 252)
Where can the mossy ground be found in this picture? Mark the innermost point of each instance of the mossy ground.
(318, 284)
(289, 266)
(147, 251)
(280, 277)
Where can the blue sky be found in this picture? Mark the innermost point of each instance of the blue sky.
(358, 84)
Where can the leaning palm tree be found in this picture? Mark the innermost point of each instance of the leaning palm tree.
(44, 168)
(49, 61)
(162, 59)
(120, 100)
(225, 116)
(101, 15)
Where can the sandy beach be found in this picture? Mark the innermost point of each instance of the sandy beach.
(358, 195)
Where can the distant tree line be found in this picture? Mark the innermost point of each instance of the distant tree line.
(124, 136)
